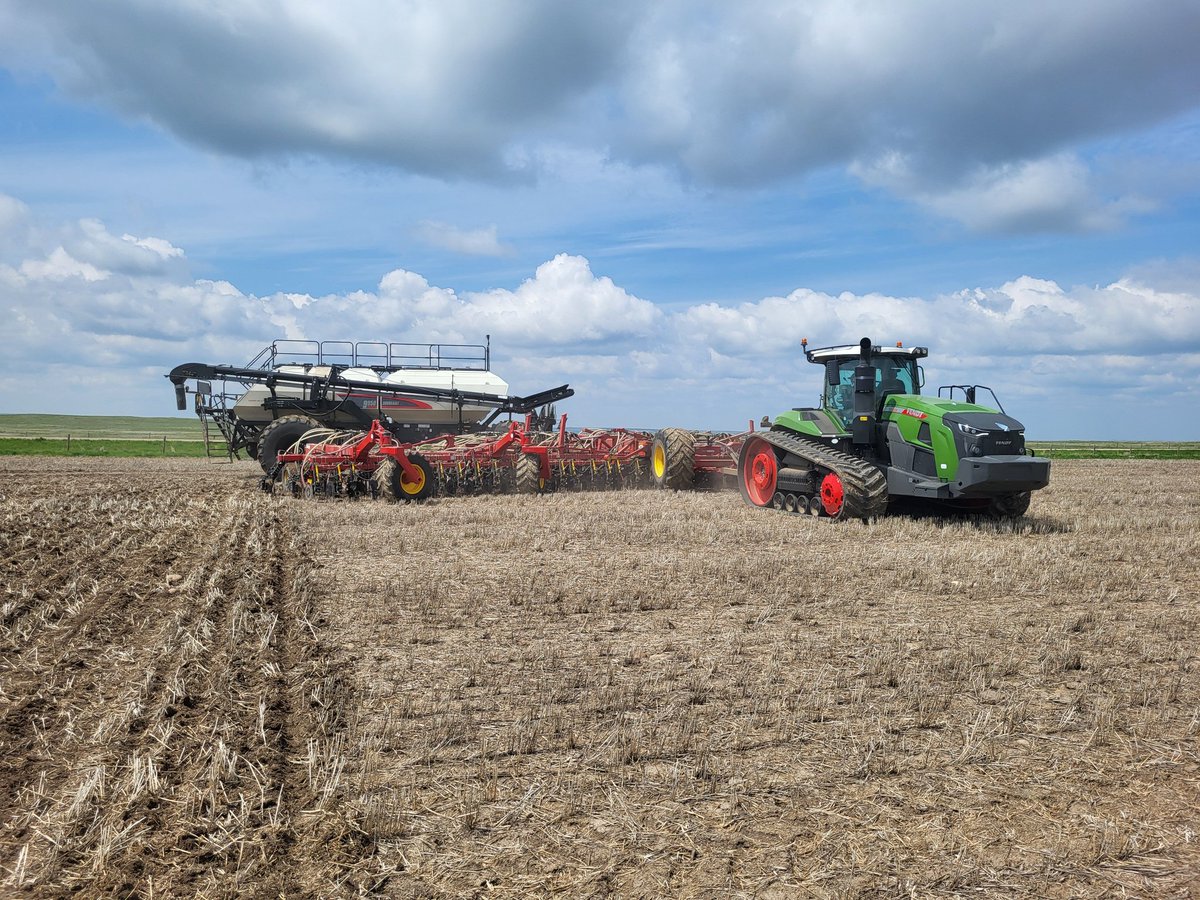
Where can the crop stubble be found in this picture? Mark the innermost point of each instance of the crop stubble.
(169, 723)
(640, 693)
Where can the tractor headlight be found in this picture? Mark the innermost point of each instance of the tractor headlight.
(967, 429)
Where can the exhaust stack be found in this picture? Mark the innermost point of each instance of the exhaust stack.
(862, 427)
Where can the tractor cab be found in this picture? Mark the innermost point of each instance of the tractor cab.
(896, 372)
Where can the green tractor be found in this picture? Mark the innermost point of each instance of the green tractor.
(875, 439)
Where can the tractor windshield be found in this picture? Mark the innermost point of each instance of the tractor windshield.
(892, 376)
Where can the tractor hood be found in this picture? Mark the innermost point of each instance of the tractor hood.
(954, 430)
(939, 407)
(985, 434)
(984, 421)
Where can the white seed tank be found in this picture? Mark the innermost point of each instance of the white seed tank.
(415, 410)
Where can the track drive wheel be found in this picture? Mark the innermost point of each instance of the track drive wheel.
(279, 435)
(393, 486)
(527, 475)
(1009, 506)
(758, 472)
(673, 459)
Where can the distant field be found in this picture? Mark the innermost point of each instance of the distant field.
(1117, 449)
(116, 436)
(128, 428)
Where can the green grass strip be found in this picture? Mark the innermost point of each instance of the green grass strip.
(114, 448)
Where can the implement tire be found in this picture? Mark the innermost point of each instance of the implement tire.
(279, 435)
(673, 459)
(389, 479)
(527, 475)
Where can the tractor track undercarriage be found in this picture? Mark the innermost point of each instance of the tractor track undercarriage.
(806, 477)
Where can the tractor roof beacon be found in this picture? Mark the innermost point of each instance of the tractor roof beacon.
(876, 439)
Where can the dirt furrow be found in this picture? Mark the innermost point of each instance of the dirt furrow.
(178, 729)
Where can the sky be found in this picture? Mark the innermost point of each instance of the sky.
(653, 202)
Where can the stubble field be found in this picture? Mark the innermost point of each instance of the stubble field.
(205, 690)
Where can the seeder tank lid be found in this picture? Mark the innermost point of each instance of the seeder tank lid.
(823, 354)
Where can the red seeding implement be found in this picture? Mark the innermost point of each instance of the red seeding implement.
(325, 463)
(410, 421)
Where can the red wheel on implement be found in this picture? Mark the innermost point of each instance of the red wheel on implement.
(758, 472)
(832, 496)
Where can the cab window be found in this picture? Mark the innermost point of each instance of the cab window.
(892, 376)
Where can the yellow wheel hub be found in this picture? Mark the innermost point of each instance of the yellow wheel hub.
(660, 461)
(412, 486)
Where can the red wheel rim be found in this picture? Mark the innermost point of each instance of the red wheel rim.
(831, 494)
(761, 473)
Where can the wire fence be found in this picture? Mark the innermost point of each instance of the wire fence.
(1131, 449)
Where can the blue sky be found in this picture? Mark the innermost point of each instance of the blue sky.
(652, 202)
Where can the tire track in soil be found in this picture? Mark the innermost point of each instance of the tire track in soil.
(179, 713)
(68, 646)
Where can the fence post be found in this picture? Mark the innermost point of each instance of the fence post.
(164, 445)
(68, 443)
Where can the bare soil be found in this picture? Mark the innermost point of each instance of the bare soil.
(205, 690)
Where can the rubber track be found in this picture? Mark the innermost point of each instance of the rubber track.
(864, 487)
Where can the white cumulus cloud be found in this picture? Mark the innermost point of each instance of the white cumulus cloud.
(1053, 351)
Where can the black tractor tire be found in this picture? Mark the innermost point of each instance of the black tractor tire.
(1009, 506)
(389, 480)
(252, 450)
(278, 436)
(672, 460)
(527, 475)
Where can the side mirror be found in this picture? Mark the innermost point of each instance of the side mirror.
(920, 376)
